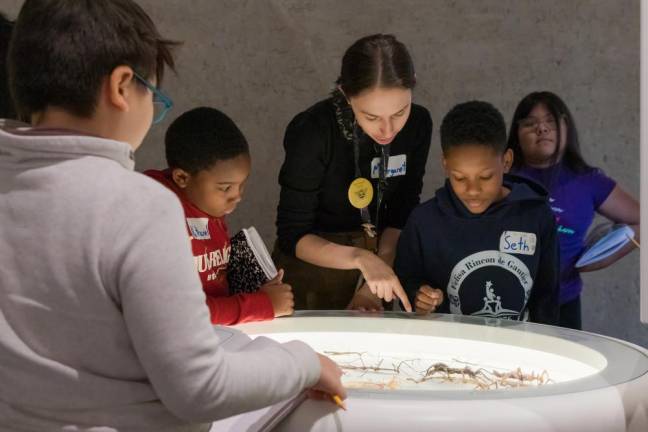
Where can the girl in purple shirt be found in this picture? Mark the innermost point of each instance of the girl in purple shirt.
(544, 141)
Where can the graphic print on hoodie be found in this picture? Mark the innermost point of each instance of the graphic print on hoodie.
(502, 263)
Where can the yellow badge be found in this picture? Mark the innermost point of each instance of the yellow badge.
(360, 193)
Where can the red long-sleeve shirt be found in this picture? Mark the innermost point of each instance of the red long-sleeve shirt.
(210, 245)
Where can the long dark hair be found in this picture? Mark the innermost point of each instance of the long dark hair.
(572, 157)
(7, 109)
(376, 60)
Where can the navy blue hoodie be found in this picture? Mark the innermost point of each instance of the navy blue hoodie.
(502, 263)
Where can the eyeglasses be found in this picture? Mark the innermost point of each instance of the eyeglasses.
(161, 102)
(533, 123)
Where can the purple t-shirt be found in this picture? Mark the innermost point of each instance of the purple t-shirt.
(573, 197)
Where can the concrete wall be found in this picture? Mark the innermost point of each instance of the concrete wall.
(263, 61)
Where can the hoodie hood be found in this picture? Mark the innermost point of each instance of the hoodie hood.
(20, 143)
(522, 189)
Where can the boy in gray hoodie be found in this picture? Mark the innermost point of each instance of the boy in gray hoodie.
(102, 317)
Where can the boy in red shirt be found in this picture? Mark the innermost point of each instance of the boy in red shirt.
(209, 163)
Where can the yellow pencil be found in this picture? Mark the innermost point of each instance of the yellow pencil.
(636, 243)
(338, 401)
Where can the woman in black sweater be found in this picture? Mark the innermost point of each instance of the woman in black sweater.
(353, 172)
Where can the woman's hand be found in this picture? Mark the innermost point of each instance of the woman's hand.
(380, 278)
(364, 300)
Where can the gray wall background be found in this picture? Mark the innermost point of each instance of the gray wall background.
(263, 61)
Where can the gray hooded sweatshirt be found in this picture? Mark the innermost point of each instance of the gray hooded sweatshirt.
(103, 322)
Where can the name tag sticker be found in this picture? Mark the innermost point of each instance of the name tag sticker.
(198, 228)
(397, 166)
(517, 242)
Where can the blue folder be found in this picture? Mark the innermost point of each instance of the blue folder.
(603, 241)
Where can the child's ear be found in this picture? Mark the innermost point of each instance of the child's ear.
(120, 84)
(444, 164)
(508, 160)
(180, 177)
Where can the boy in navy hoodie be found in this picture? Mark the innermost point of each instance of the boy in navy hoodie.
(485, 245)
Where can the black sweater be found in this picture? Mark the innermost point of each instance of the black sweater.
(319, 167)
(486, 264)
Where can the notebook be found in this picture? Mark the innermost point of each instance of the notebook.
(604, 240)
(261, 420)
(250, 264)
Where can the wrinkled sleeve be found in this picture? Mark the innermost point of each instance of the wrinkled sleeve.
(408, 263)
(162, 302)
(240, 308)
(300, 178)
(544, 301)
(601, 187)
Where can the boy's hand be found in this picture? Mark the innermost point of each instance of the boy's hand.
(329, 383)
(365, 301)
(280, 294)
(428, 299)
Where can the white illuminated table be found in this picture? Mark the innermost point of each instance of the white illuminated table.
(403, 372)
